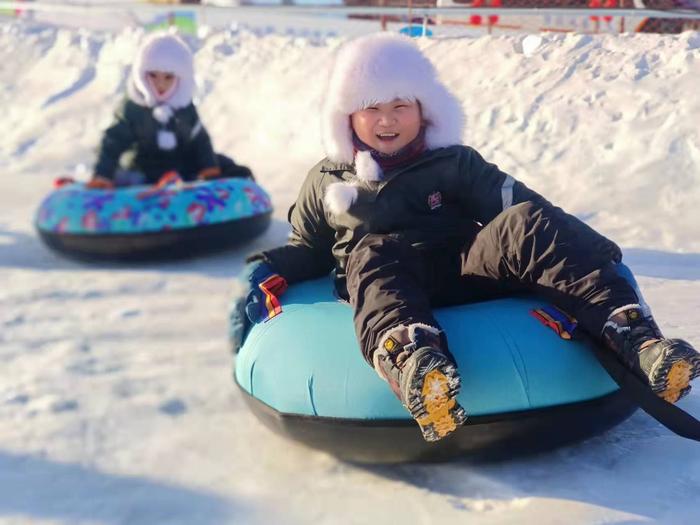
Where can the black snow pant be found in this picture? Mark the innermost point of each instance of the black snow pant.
(229, 169)
(529, 247)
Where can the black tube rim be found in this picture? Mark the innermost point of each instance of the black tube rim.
(492, 437)
(165, 244)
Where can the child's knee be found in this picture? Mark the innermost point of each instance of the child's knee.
(523, 212)
(375, 249)
(378, 244)
(518, 221)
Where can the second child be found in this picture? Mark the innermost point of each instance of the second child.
(157, 131)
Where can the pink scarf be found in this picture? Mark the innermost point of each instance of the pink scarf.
(398, 159)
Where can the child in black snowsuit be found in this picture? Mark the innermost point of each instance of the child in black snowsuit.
(410, 219)
(157, 130)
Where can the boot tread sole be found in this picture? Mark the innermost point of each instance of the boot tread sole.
(680, 365)
(431, 396)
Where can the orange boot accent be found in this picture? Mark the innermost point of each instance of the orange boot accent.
(678, 382)
(438, 405)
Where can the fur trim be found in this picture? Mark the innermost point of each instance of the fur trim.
(366, 168)
(162, 52)
(340, 196)
(163, 113)
(388, 333)
(412, 329)
(166, 139)
(623, 308)
(380, 68)
(612, 323)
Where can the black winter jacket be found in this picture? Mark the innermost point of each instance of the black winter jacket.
(438, 202)
(131, 142)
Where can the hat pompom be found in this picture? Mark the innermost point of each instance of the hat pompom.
(166, 140)
(367, 168)
(340, 196)
(162, 113)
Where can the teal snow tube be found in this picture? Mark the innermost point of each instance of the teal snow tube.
(525, 389)
(143, 222)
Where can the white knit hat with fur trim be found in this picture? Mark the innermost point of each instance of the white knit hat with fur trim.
(163, 52)
(168, 53)
(375, 69)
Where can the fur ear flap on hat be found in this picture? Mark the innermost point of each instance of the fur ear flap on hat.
(380, 68)
(167, 53)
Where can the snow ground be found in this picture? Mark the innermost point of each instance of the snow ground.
(116, 399)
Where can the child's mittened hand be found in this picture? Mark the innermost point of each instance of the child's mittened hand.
(265, 287)
(209, 173)
(169, 177)
(99, 183)
(238, 323)
(262, 302)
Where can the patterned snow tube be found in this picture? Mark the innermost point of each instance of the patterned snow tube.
(145, 222)
(525, 389)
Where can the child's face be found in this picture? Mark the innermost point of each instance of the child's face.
(389, 126)
(162, 81)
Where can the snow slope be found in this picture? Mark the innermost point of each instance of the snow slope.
(116, 399)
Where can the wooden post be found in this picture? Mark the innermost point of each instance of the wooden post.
(382, 18)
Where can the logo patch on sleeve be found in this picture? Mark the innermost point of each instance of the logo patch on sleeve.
(435, 200)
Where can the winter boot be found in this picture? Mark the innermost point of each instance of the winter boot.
(666, 365)
(423, 376)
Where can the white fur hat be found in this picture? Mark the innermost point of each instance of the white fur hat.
(375, 69)
(163, 52)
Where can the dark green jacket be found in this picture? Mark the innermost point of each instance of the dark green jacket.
(437, 202)
(131, 142)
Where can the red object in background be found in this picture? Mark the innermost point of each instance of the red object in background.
(609, 4)
(602, 4)
(62, 181)
(493, 19)
(476, 19)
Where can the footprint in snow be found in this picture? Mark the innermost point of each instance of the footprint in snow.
(126, 314)
(17, 399)
(173, 407)
(67, 405)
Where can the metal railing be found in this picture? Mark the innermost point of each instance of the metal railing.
(76, 7)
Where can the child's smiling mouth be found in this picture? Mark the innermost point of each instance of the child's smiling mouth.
(387, 137)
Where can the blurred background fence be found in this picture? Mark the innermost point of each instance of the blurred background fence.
(424, 18)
